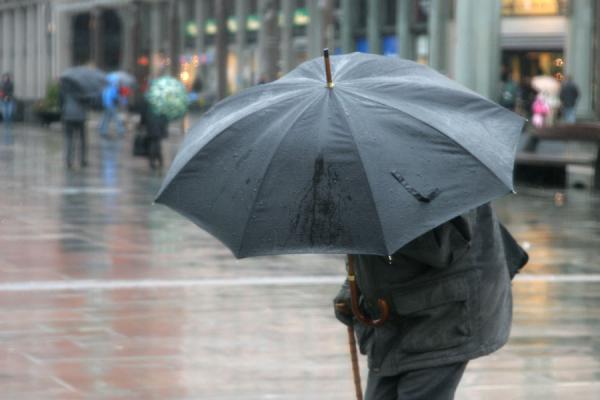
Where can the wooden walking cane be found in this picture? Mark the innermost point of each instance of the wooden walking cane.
(343, 308)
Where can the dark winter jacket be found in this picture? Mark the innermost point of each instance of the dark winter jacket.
(73, 108)
(449, 292)
(569, 94)
(7, 88)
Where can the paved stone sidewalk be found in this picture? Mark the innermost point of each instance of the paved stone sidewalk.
(105, 296)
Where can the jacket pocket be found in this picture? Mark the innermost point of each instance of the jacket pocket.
(439, 314)
(364, 337)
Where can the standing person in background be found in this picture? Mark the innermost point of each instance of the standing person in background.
(111, 102)
(157, 129)
(74, 115)
(509, 92)
(568, 97)
(527, 94)
(8, 105)
(540, 110)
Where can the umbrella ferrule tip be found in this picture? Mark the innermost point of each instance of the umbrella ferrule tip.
(330, 85)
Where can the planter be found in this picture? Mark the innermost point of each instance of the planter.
(46, 117)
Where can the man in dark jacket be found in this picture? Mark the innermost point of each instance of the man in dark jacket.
(450, 297)
(568, 98)
(74, 115)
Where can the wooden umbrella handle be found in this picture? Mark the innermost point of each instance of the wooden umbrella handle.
(384, 308)
(327, 68)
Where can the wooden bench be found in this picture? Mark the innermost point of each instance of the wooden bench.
(581, 132)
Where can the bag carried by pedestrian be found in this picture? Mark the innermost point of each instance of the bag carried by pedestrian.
(140, 144)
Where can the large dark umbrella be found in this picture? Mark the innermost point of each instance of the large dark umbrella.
(363, 163)
(83, 81)
(388, 151)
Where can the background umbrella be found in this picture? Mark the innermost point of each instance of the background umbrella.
(391, 151)
(167, 96)
(123, 78)
(545, 83)
(83, 81)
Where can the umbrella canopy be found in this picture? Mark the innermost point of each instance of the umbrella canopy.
(545, 84)
(83, 81)
(389, 151)
(167, 96)
(122, 77)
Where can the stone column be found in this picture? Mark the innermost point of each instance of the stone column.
(19, 53)
(347, 26)
(477, 62)
(404, 37)
(579, 53)
(221, 48)
(287, 35)
(174, 37)
(43, 64)
(241, 39)
(268, 45)
(200, 15)
(373, 26)
(314, 29)
(31, 80)
(2, 50)
(60, 41)
(437, 28)
(155, 38)
(96, 37)
(596, 71)
(7, 41)
(128, 21)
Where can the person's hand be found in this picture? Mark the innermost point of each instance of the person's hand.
(342, 306)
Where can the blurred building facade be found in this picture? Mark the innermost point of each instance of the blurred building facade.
(232, 44)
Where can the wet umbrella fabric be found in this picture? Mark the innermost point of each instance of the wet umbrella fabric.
(83, 81)
(391, 151)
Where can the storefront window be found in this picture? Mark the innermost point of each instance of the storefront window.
(533, 7)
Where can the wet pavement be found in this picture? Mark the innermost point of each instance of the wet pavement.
(105, 296)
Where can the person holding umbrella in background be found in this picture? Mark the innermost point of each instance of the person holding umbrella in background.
(7, 89)
(79, 86)
(111, 101)
(74, 115)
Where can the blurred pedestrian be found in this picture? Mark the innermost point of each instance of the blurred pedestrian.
(509, 92)
(569, 93)
(8, 105)
(74, 114)
(111, 102)
(527, 94)
(157, 129)
(449, 293)
(540, 110)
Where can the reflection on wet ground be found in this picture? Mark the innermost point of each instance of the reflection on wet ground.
(104, 295)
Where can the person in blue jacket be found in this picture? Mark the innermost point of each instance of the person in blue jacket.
(110, 101)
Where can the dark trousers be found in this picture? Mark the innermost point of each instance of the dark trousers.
(75, 130)
(437, 383)
(155, 152)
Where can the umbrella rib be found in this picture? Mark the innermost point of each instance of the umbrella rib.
(350, 128)
(365, 97)
(299, 114)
